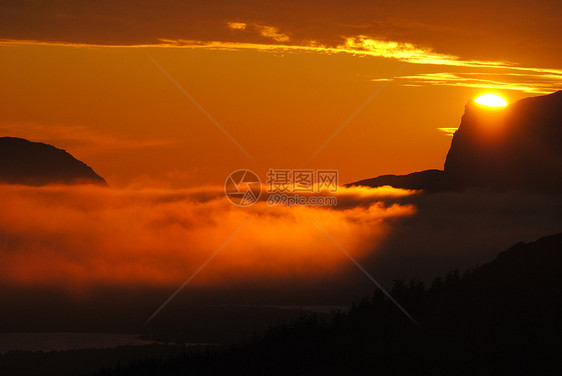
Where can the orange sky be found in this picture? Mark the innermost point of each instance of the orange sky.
(280, 81)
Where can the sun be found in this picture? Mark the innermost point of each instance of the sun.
(491, 100)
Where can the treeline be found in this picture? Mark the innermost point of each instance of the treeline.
(499, 319)
(83, 361)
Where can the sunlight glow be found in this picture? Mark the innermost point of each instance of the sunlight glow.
(491, 100)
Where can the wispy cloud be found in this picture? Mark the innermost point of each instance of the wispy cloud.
(493, 74)
(273, 33)
(359, 45)
(79, 138)
(236, 25)
(448, 131)
(538, 83)
(407, 52)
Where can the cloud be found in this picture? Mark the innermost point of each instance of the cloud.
(361, 45)
(486, 74)
(448, 131)
(81, 139)
(538, 83)
(483, 74)
(76, 238)
(273, 33)
(236, 25)
(526, 34)
(404, 51)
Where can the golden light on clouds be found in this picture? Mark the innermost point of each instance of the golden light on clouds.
(273, 33)
(448, 131)
(165, 234)
(483, 74)
(409, 52)
(236, 25)
(537, 83)
(505, 75)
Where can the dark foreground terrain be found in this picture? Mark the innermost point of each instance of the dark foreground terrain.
(500, 318)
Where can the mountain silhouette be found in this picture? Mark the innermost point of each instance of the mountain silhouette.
(518, 147)
(34, 163)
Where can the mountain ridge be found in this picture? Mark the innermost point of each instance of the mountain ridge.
(518, 147)
(37, 164)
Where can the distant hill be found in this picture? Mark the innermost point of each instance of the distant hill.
(34, 163)
(518, 147)
(429, 180)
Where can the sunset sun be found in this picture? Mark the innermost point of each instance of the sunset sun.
(491, 100)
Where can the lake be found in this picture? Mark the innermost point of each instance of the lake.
(66, 341)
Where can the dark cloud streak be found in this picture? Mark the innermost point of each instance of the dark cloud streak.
(503, 30)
